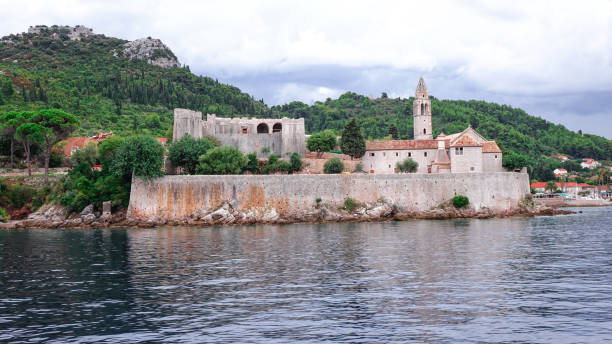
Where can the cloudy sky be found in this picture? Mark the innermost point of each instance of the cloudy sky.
(551, 58)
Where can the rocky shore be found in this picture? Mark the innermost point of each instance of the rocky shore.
(55, 216)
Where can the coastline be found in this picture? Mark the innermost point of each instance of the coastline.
(54, 217)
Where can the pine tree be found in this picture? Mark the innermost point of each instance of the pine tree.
(393, 132)
(352, 142)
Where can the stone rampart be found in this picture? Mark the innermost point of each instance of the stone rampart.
(177, 198)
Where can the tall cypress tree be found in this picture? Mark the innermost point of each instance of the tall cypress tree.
(352, 142)
(393, 132)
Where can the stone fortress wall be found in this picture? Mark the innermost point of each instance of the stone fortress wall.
(176, 198)
(282, 136)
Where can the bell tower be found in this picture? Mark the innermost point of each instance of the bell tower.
(421, 111)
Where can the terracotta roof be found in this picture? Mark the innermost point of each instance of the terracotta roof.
(490, 147)
(74, 143)
(538, 185)
(466, 141)
(403, 144)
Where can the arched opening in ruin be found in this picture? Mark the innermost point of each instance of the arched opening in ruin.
(262, 128)
(277, 128)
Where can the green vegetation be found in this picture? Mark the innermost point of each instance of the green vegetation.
(320, 142)
(349, 204)
(460, 201)
(296, 162)
(186, 152)
(333, 166)
(4, 216)
(19, 200)
(222, 160)
(352, 142)
(407, 165)
(105, 91)
(140, 156)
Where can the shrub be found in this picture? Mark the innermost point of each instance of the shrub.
(407, 165)
(296, 162)
(333, 166)
(186, 152)
(252, 164)
(321, 142)
(142, 156)
(460, 201)
(222, 160)
(358, 168)
(107, 148)
(87, 155)
(265, 150)
(349, 204)
(4, 216)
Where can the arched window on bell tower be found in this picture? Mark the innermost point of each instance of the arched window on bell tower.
(422, 109)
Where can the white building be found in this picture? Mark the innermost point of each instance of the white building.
(462, 152)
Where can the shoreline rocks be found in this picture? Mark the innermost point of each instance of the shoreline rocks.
(55, 216)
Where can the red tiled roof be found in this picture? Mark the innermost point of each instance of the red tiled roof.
(538, 185)
(403, 144)
(490, 147)
(466, 141)
(162, 140)
(73, 142)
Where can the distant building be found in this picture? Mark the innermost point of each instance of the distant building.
(561, 157)
(464, 152)
(262, 136)
(72, 144)
(162, 140)
(589, 163)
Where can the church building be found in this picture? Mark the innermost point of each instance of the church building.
(464, 152)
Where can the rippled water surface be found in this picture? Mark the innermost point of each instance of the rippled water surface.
(546, 279)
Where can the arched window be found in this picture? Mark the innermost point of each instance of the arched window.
(262, 128)
(422, 109)
(277, 128)
(424, 131)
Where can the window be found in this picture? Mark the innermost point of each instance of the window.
(262, 128)
(397, 154)
(425, 154)
(384, 154)
(277, 128)
(424, 131)
(389, 165)
(472, 168)
(245, 130)
(458, 150)
(371, 154)
(409, 154)
(495, 156)
(422, 109)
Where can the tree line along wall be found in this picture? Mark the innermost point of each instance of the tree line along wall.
(178, 197)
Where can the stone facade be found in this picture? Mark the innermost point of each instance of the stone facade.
(292, 196)
(464, 152)
(282, 136)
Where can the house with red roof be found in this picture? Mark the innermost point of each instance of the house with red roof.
(72, 144)
(464, 152)
(589, 163)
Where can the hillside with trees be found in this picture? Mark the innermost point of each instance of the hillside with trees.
(90, 78)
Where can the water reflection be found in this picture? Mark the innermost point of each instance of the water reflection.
(542, 279)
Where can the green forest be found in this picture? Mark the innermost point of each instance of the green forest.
(90, 79)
